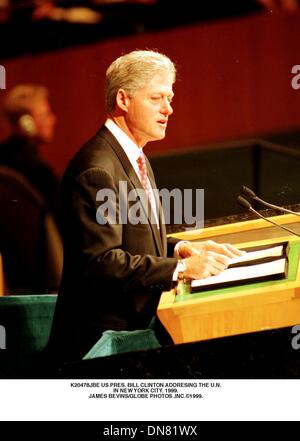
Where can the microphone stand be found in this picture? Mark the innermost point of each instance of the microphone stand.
(245, 204)
(249, 193)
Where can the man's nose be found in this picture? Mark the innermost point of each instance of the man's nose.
(167, 108)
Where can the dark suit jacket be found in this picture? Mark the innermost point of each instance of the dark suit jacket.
(23, 156)
(114, 273)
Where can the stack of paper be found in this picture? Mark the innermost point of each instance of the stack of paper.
(256, 265)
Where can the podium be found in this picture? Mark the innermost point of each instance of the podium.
(241, 309)
(243, 332)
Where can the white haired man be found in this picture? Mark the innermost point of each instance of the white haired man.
(115, 271)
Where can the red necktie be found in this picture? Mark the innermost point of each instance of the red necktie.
(145, 182)
(143, 175)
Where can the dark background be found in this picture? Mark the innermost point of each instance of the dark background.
(233, 91)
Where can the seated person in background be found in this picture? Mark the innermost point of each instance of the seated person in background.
(28, 111)
(114, 272)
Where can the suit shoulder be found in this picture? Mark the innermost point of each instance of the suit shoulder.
(95, 153)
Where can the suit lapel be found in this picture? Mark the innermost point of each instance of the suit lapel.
(132, 176)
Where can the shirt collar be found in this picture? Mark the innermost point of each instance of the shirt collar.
(130, 148)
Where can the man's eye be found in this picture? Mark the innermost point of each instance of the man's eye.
(158, 99)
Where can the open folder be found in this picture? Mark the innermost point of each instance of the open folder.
(267, 262)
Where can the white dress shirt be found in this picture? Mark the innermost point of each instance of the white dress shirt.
(132, 152)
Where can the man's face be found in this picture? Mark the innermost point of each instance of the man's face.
(148, 111)
(44, 120)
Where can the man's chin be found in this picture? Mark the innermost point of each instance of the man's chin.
(161, 135)
(46, 139)
(157, 136)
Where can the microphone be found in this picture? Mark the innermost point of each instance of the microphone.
(245, 204)
(250, 194)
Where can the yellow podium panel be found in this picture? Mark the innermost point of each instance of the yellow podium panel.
(240, 309)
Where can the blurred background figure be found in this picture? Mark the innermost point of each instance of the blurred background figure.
(30, 241)
(32, 120)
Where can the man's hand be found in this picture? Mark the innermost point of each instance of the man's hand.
(188, 249)
(208, 264)
(203, 259)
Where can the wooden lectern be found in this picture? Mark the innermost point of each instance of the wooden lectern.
(240, 309)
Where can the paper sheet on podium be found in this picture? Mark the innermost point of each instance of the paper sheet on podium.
(256, 265)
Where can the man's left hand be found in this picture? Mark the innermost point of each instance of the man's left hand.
(188, 249)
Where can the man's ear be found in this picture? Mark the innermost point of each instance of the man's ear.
(122, 100)
(27, 125)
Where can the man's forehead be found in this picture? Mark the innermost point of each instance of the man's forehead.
(161, 81)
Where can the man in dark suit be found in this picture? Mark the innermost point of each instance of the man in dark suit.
(117, 260)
